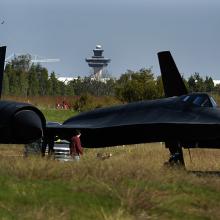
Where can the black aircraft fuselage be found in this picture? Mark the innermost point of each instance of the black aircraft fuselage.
(191, 119)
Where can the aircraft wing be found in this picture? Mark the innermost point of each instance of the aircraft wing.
(140, 122)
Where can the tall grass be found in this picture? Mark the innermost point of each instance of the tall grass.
(132, 184)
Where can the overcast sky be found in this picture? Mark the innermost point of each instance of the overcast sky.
(130, 31)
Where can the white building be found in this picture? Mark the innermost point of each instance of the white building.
(216, 81)
(66, 79)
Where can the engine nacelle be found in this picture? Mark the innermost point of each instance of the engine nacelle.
(20, 123)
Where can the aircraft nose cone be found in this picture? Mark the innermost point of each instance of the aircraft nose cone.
(27, 126)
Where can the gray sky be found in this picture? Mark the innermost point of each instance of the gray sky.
(130, 31)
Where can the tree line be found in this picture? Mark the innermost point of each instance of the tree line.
(26, 79)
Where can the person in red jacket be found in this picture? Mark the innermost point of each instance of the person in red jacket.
(75, 146)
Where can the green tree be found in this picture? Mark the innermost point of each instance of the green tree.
(5, 87)
(92, 87)
(33, 82)
(135, 86)
(42, 75)
(217, 88)
(196, 83)
(23, 83)
(159, 87)
(55, 86)
(21, 63)
(70, 88)
(62, 88)
(83, 103)
(12, 79)
(110, 87)
(208, 84)
(14, 83)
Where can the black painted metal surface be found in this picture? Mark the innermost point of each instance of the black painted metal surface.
(147, 121)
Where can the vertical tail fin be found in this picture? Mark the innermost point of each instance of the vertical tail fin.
(2, 64)
(172, 81)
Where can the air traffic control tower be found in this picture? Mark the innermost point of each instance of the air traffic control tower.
(97, 62)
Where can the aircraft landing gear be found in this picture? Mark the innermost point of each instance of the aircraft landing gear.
(176, 155)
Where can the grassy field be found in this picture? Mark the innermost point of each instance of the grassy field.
(57, 115)
(132, 184)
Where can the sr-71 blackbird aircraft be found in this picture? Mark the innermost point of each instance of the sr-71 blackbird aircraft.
(20, 123)
(180, 120)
